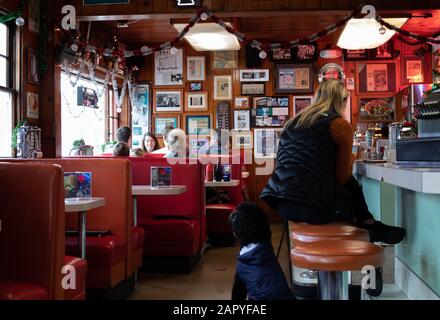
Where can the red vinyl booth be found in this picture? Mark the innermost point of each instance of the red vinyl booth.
(32, 250)
(175, 226)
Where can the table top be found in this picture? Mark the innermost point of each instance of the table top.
(82, 204)
(232, 183)
(147, 190)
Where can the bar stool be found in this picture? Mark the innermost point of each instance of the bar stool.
(332, 259)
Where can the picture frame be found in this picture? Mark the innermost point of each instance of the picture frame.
(160, 177)
(224, 59)
(168, 68)
(253, 89)
(412, 70)
(294, 78)
(242, 139)
(383, 52)
(300, 103)
(200, 124)
(195, 86)
(305, 53)
(242, 119)
(167, 100)
(196, 101)
(34, 16)
(140, 113)
(222, 87)
(160, 122)
(355, 55)
(32, 105)
(436, 65)
(241, 102)
(195, 68)
(32, 69)
(377, 109)
(254, 75)
(378, 77)
(281, 54)
(266, 142)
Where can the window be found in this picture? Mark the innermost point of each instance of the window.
(6, 92)
(82, 122)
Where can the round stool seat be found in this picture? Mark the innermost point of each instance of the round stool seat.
(344, 255)
(308, 233)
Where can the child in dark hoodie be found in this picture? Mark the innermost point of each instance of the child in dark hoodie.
(258, 275)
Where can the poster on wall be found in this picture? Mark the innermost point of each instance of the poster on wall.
(102, 2)
(377, 75)
(266, 142)
(32, 105)
(168, 68)
(140, 113)
(376, 109)
(34, 16)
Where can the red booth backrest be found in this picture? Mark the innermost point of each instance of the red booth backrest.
(32, 225)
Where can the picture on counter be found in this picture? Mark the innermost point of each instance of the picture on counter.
(412, 69)
(241, 102)
(195, 68)
(161, 122)
(168, 68)
(222, 88)
(196, 125)
(254, 75)
(168, 101)
(33, 105)
(376, 77)
(33, 76)
(252, 89)
(376, 109)
(161, 176)
(34, 16)
(242, 139)
(305, 53)
(224, 59)
(196, 101)
(77, 184)
(300, 103)
(266, 142)
(195, 86)
(294, 78)
(242, 119)
(281, 54)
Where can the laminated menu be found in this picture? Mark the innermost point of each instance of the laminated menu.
(77, 184)
(160, 176)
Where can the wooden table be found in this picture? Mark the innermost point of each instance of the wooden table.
(232, 183)
(81, 206)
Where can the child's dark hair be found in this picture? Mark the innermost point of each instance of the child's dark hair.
(123, 134)
(250, 224)
(121, 149)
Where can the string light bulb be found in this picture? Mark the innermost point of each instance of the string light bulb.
(19, 21)
(74, 47)
(263, 54)
(144, 49)
(382, 30)
(118, 110)
(204, 16)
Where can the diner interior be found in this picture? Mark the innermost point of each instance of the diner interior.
(106, 222)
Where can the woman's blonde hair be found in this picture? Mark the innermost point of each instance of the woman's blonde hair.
(331, 94)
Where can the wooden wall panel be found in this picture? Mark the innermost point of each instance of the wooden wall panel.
(297, 4)
(235, 5)
(281, 4)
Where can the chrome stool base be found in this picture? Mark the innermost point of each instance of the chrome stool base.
(310, 275)
(333, 285)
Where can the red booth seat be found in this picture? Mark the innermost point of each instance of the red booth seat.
(22, 291)
(80, 266)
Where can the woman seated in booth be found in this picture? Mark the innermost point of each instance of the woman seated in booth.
(149, 143)
(165, 149)
(176, 143)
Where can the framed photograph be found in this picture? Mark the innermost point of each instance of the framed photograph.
(331, 71)
(196, 101)
(168, 101)
(242, 139)
(222, 87)
(140, 113)
(197, 145)
(412, 70)
(355, 55)
(294, 78)
(168, 68)
(225, 59)
(242, 119)
(281, 54)
(34, 16)
(241, 102)
(436, 65)
(254, 75)
(305, 53)
(383, 52)
(266, 142)
(376, 77)
(195, 86)
(33, 105)
(377, 109)
(32, 69)
(195, 69)
(300, 103)
(252, 89)
(198, 124)
(160, 177)
(161, 122)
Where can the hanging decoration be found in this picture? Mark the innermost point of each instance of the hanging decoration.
(119, 98)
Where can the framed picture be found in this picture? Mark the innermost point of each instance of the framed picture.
(383, 52)
(161, 122)
(412, 70)
(34, 16)
(254, 75)
(436, 65)
(225, 59)
(168, 68)
(168, 101)
(140, 113)
(376, 77)
(222, 88)
(241, 102)
(242, 139)
(252, 89)
(300, 103)
(281, 54)
(198, 124)
(198, 144)
(33, 105)
(377, 109)
(305, 53)
(32, 69)
(266, 142)
(195, 86)
(195, 69)
(242, 119)
(294, 78)
(196, 101)
(355, 55)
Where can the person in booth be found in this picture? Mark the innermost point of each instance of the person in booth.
(176, 142)
(312, 181)
(149, 143)
(121, 149)
(123, 134)
(165, 149)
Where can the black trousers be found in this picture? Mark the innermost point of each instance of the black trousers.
(349, 206)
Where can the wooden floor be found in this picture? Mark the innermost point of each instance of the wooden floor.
(211, 279)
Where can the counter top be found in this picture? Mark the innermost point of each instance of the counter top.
(425, 180)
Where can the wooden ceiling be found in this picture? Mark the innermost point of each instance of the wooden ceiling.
(287, 27)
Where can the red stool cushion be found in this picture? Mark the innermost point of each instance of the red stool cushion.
(80, 265)
(22, 291)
